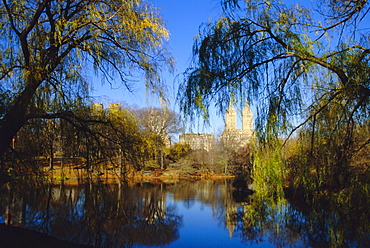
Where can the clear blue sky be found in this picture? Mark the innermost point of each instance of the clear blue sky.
(182, 18)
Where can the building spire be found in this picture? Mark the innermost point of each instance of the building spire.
(230, 118)
(247, 119)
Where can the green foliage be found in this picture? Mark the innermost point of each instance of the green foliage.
(98, 139)
(269, 55)
(49, 48)
(125, 139)
(268, 172)
(178, 151)
(326, 219)
(300, 70)
(320, 162)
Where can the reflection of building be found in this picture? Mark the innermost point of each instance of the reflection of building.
(231, 217)
(198, 141)
(237, 137)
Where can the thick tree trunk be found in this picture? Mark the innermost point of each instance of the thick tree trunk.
(8, 129)
(16, 116)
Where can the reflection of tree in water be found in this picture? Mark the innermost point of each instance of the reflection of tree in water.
(189, 203)
(101, 215)
(335, 220)
(315, 221)
(118, 215)
(339, 219)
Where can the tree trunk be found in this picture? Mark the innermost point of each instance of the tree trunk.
(16, 117)
(51, 159)
(8, 130)
(162, 160)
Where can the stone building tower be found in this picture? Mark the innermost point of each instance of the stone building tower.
(98, 107)
(230, 119)
(115, 107)
(247, 120)
(233, 137)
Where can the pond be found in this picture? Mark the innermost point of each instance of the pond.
(205, 213)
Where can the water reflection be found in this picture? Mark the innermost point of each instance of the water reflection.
(197, 214)
(96, 214)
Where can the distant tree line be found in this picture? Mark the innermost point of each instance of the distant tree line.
(125, 138)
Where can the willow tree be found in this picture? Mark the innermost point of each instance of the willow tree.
(293, 63)
(48, 47)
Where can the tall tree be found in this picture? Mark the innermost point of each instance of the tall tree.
(289, 61)
(159, 124)
(161, 121)
(48, 47)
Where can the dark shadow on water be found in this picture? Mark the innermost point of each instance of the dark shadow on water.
(242, 195)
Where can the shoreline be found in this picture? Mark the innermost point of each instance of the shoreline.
(73, 176)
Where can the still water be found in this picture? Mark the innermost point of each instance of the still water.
(182, 214)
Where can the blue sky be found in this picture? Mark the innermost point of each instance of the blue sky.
(182, 19)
